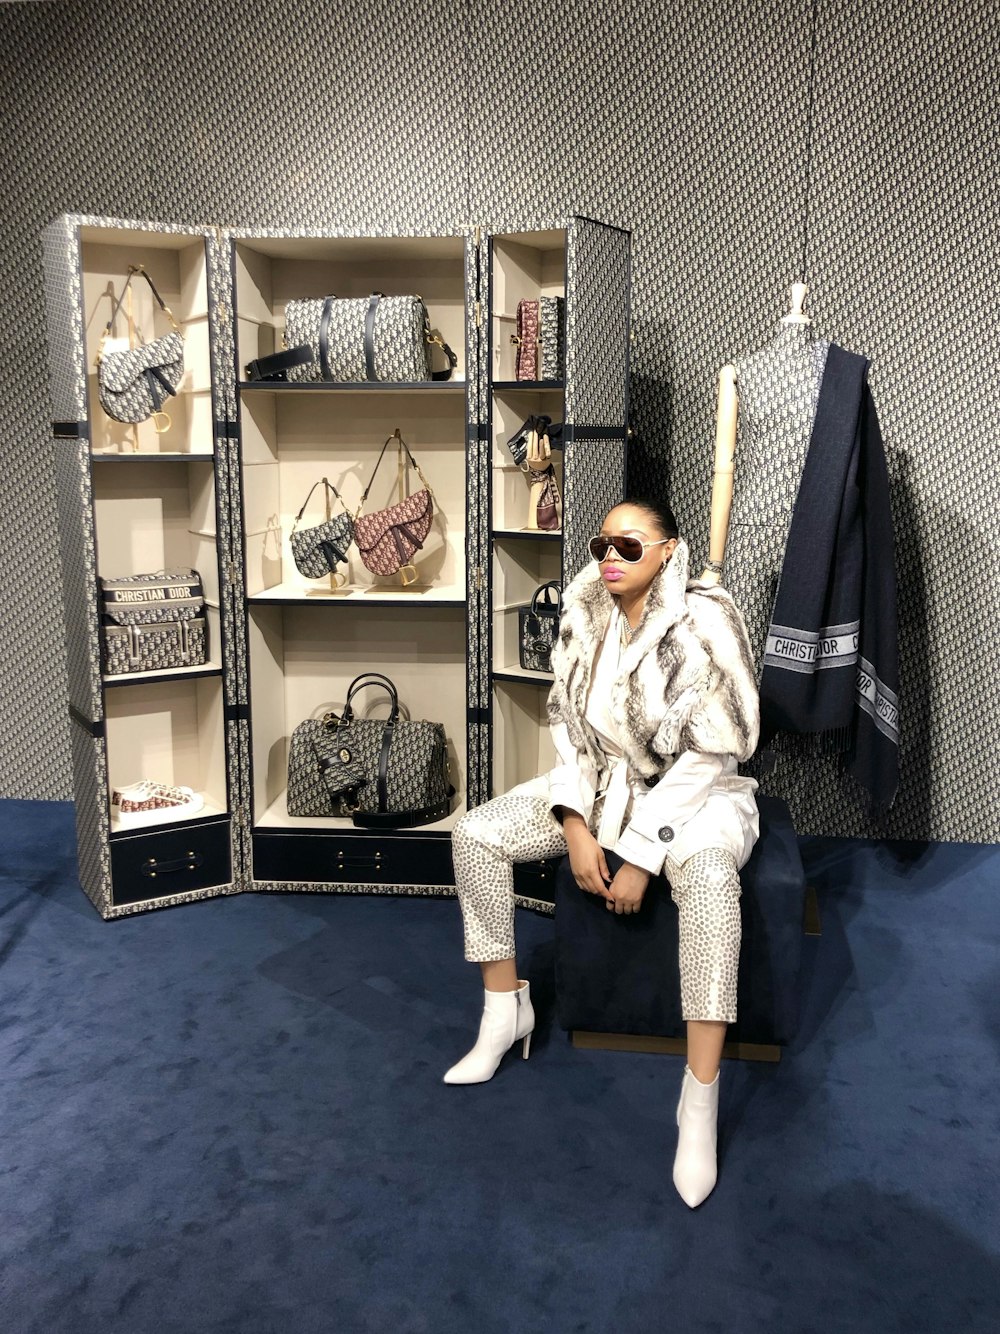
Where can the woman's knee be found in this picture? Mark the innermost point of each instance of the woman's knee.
(712, 873)
(475, 831)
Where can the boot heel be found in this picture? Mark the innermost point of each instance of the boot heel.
(525, 1046)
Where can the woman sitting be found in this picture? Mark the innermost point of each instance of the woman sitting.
(654, 702)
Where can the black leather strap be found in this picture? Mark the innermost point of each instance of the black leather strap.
(400, 445)
(332, 556)
(452, 363)
(159, 386)
(323, 481)
(404, 819)
(452, 359)
(134, 269)
(382, 777)
(373, 301)
(324, 338)
(274, 367)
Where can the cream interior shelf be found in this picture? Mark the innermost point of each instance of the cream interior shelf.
(210, 668)
(411, 595)
(517, 673)
(353, 387)
(547, 535)
(154, 455)
(276, 817)
(209, 811)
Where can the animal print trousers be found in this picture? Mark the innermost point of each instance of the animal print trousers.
(706, 889)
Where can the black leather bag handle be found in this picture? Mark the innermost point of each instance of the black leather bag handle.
(388, 729)
(549, 603)
(323, 481)
(402, 446)
(371, 679)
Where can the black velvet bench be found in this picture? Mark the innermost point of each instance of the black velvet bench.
(617, 978)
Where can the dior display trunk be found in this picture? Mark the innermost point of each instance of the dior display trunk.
(203, 686)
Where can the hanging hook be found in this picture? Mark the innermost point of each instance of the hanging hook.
(796, 314)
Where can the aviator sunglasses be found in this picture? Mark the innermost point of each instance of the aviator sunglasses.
(629, 548)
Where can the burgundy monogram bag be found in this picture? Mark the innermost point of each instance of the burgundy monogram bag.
(388, 539)
(548, 507)
(526, 339)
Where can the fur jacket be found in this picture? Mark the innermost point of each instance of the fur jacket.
(688, 681)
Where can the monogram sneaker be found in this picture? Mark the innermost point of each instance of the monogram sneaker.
(147, 802)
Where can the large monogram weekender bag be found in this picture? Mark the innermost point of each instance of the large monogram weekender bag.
(387, 773)
(134, 383)
(153, 622)
(356, 339)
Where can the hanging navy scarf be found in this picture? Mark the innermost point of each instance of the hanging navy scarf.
(831, 666)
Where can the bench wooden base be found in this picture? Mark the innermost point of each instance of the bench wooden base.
(812, 925)
(737, 1051)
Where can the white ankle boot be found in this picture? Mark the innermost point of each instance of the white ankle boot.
(507, 1016)
(695, 1167)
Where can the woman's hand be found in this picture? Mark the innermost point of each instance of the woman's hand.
(586, 856)
(625, 894)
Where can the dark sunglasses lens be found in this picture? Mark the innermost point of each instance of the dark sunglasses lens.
(629, 548)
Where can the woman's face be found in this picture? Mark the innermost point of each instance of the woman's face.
(621, 576)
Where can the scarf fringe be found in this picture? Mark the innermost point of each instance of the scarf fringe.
(877, 812)
(815, 745)
(831, 741)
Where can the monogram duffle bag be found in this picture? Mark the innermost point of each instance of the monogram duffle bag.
(353, 340)
(153, 622)
(384, 773)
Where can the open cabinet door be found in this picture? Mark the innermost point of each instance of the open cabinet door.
(555, 347)
(598, 272)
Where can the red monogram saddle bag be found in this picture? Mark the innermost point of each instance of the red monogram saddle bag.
(388, 539)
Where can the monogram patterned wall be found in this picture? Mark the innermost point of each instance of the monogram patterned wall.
(686, 123)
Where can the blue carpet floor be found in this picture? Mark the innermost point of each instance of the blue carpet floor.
(229, 1117)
